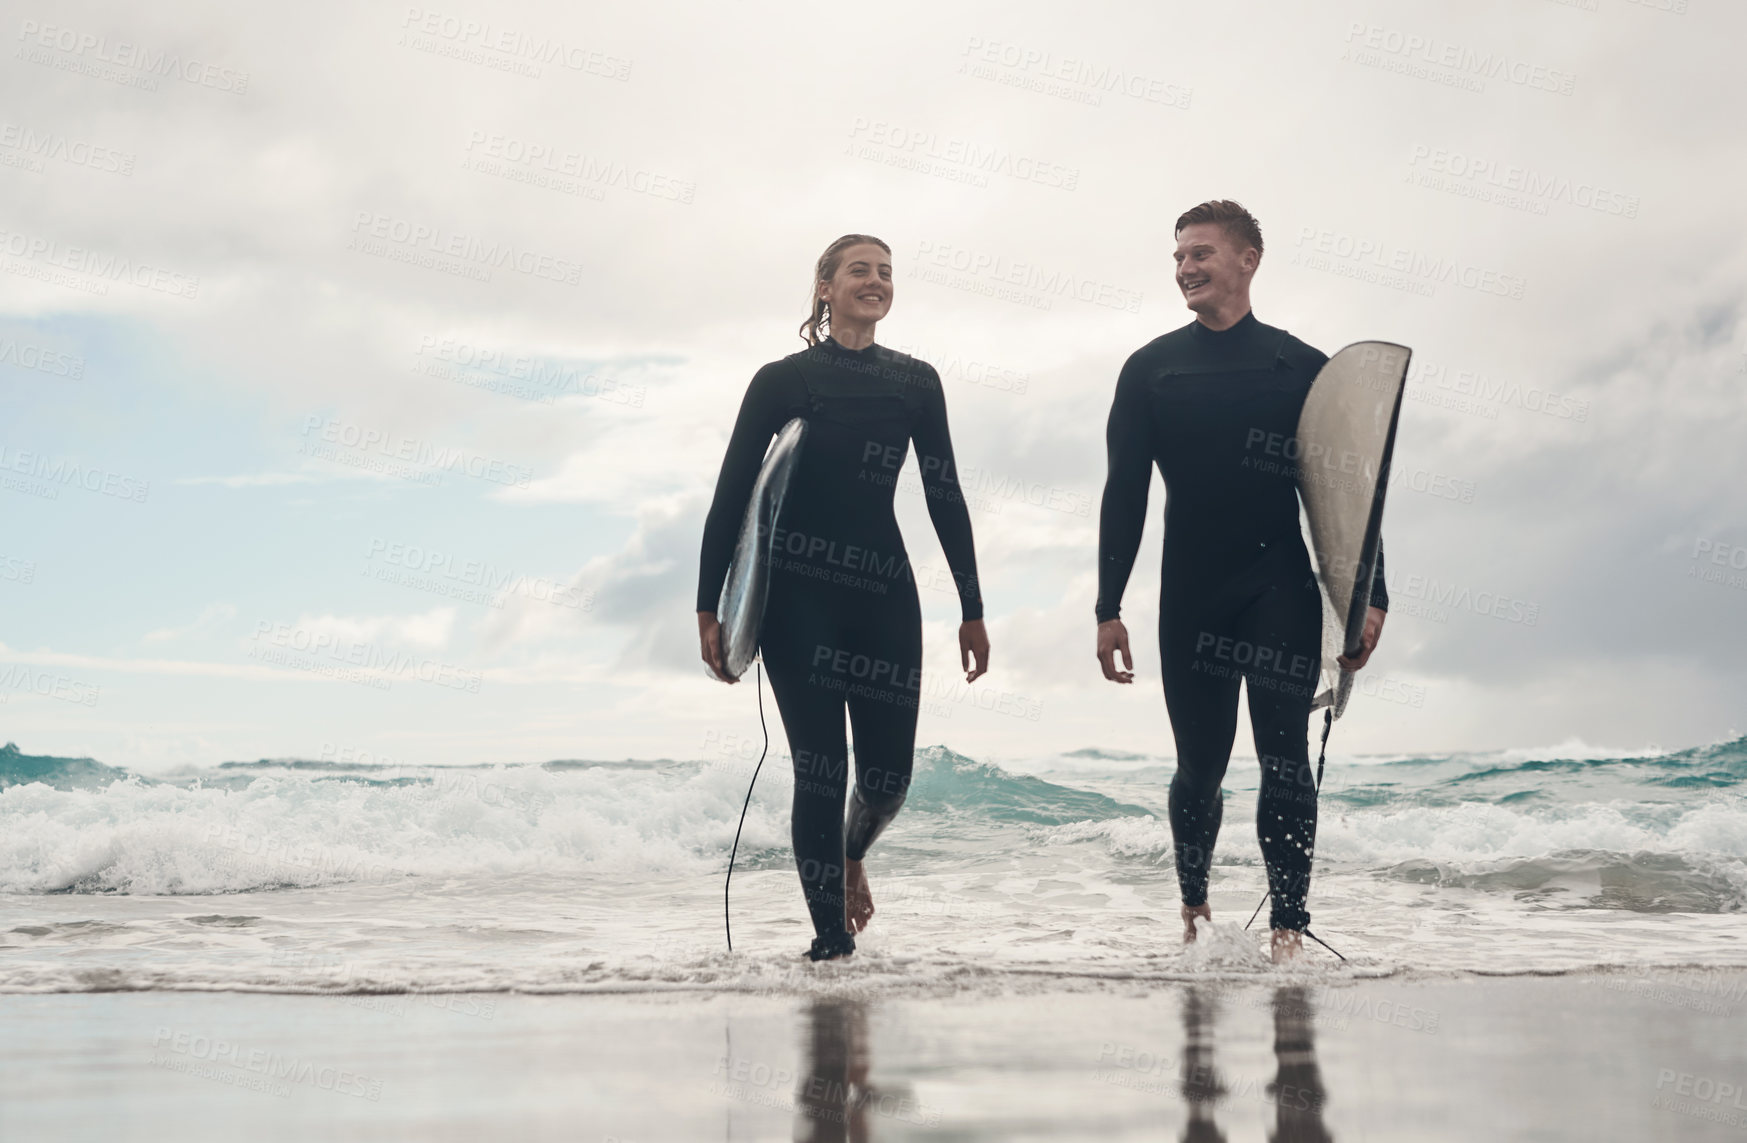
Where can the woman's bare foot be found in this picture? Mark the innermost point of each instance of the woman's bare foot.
(1190, 912)
(1287, 945)
(858, 907)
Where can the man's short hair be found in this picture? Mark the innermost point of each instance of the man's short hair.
(1240, 225)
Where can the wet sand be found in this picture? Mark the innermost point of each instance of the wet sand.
(1625, 1056)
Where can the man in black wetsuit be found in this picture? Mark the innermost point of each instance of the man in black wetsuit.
(1209, 403)
(843, 624)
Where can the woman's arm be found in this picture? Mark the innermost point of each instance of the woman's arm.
(952, 523)
(946, 502)
(761, 415)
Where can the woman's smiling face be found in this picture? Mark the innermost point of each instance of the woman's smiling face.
(860, 293)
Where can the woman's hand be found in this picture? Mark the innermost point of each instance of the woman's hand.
(1367, 639)
(973, 640)
(710, 645)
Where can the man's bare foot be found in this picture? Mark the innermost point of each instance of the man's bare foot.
(858, 907)
(1287, 945)
(1190, 912)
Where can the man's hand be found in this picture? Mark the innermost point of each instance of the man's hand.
(710, 645)
(973, 640)
(1367, 639)
(1113, 637)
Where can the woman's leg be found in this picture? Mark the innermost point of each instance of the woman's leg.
(811, 700)
(885, 660)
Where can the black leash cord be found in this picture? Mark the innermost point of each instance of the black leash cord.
(1328, 721)
(727, 880)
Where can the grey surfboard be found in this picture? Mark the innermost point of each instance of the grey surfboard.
(1346, 439)
(747, 586)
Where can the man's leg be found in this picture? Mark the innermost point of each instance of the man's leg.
(1284, 625)
(1201, 697)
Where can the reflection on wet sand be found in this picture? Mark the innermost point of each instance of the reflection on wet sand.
(1201, 1087)
(835, 1102)
(1297, 1091)
(831, 1100)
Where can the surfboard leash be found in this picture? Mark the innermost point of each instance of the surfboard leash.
(1328, 721)
(726, 881)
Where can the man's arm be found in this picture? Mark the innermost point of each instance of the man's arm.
(1122, 516)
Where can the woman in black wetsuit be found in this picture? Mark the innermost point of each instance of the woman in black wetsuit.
(843, 625)
(1215, 405)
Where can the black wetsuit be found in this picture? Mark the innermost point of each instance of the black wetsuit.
(1218, 411)
(843, 625)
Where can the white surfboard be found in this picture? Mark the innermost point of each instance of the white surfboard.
(1346, 437)
(747, 586)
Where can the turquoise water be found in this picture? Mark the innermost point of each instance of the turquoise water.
(318, 875)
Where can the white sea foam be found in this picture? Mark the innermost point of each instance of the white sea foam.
(607, 877)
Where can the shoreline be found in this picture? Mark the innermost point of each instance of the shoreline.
(1592, 1054)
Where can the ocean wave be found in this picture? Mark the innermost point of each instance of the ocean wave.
(1636, 882)
(78, 825)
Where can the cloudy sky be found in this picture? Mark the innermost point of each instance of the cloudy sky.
(365, 372)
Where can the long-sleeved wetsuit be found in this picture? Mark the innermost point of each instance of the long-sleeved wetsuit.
(1218, 410)
(843, 625)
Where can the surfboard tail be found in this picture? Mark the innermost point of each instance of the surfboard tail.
(747, 584)
(1337, 695)
(1346, 440)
